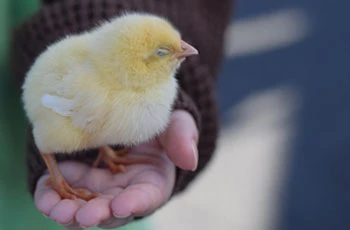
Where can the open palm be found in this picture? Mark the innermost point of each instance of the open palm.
(138, 192)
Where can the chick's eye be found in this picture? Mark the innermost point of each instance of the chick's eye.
(162, 52)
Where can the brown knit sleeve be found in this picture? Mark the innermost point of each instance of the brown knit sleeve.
(199, 92)
(199, 23)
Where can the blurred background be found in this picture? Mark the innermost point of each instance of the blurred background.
(283, 153)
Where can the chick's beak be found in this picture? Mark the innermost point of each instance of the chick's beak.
(187, 50)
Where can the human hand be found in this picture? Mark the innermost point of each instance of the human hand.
(138, 192)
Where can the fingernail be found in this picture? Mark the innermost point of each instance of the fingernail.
(46, 216)
(195, 155)
(120, 217)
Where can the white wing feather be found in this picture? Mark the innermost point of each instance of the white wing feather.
(83, 117)
(60, 105)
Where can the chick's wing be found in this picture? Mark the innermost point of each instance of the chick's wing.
(85, 111)
(60, 105)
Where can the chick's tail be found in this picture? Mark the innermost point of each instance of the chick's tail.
(116, 160)
(60, 184)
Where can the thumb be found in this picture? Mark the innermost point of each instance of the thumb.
(180, 140)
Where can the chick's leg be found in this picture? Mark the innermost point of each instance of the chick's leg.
(60, 184)
(116, 160)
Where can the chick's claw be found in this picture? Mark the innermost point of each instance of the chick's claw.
(79, 192)
(66, 192)
(60, 185)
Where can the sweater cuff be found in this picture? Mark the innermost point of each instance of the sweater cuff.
(184, 102)
(197, 95)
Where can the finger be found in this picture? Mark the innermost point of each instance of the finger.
(65, 210)
(45, 198)
(180, 140)
(137, 200)
(94, 211)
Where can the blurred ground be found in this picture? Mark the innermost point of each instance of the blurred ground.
(282, 161)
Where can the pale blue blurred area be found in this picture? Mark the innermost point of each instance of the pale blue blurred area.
(315, 193)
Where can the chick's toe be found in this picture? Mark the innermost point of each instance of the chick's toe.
(60, 185)
(116, 160)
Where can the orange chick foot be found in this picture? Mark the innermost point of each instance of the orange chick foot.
(58, 182)
(67, 192)
(116, 160)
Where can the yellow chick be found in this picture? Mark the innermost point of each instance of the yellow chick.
(112, 85)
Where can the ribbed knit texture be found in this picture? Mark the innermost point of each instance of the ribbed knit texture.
(201, 23)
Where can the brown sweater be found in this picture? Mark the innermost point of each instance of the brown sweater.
(201, 23)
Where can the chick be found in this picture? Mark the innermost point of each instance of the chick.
(112, 85)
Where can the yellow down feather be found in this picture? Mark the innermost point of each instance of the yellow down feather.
(112, 85)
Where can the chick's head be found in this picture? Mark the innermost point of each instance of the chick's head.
(147, 48)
